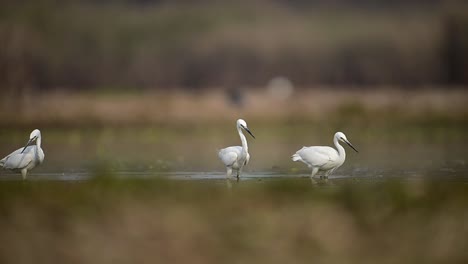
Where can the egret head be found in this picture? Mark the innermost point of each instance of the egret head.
(342, 137)
(32, 137)
(35, 134)
(242, 124)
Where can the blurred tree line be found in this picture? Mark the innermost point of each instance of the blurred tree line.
(161, 44)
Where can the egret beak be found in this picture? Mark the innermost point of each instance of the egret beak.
(27, 144)
(351, 145)
(246, 129)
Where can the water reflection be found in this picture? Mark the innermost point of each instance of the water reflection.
(356, 175)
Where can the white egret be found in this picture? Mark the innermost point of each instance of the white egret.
(25, 158)
(236, 157)
(326, 159)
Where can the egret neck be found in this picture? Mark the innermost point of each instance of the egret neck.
(38, 141)
(341, 150)
(245, 148)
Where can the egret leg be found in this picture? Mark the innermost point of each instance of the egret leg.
(313, 181)
(228, 172)
(314, 171)
(24, 172)
(330, 172)
(228, 177)
(239, 172)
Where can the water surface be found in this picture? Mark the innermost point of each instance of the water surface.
(189, 152)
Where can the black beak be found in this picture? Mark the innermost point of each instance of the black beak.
(246, 129)
(351, 145)
(27, 144)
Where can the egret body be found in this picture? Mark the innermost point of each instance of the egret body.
(322, 158)
(236, 157)
(27, 157)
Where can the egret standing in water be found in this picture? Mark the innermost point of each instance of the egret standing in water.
(25, 158)
(325, 159)
(236, 157)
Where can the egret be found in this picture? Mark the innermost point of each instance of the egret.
(236, 157)
(326, 159)
(25, 158)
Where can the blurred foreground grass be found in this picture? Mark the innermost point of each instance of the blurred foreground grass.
(108, 220)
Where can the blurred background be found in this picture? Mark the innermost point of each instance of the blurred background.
(113, 78)
(144, 88)
(165, 45)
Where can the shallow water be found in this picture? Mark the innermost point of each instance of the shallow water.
(357, 175)
(190, 152)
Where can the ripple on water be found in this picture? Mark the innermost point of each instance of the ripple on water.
(362, 174)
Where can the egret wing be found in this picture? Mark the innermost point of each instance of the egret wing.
(18, 160)
(317, 156)
(18, 151)
(229, 155)
(4, 160)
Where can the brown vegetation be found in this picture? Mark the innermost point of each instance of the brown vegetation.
(211, 105)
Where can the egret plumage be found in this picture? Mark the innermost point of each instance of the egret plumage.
(236, 157)
(323, 158)
(27, 157)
